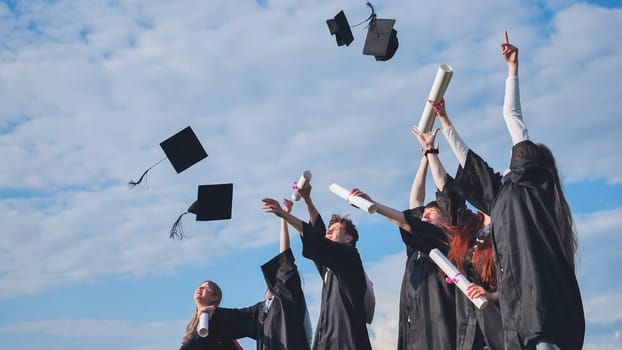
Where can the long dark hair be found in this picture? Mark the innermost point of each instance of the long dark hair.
(563, 215)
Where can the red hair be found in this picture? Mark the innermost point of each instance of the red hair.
(463, 236)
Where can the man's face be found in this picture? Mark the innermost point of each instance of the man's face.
(432, 215)
(337, 233)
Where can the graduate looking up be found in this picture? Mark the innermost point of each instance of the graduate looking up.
(207, 296)
(532, 231)
(471, 251)
(427, 316)
(341, 323)
(280, 321)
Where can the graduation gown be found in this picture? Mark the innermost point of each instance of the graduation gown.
(341, 324)
(475, 328)
(218, 338)
(281, 326)
(427, 316)
(538, 291)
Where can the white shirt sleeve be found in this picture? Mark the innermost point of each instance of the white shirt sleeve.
(512, 112)
(457, 144)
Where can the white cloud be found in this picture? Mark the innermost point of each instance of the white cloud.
(89, 90)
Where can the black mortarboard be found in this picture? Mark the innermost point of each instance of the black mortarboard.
(340, 28)
(381, 40)
(213, 202)
(183, 150)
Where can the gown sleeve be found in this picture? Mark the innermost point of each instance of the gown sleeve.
(241, 323)
(422, 236)
(478, 183)
(282, 278)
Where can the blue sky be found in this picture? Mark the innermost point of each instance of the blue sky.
(88, 90)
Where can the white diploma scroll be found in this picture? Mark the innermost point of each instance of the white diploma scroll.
(303, 182)
(203, 328)
(441, 81)
(357, 201)
(454, 276)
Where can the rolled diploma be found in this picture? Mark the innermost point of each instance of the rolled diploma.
(302, 182)
(203, 328)
(441, 81)
(452, 272)
(357, 201)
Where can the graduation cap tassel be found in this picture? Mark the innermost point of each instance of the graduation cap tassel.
(371, 16)
(132, 183)
(177, 231)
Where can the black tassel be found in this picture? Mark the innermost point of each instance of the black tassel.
(177, 231)
(372, 16)
(132, 183)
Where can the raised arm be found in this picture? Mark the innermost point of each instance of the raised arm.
(394, 215)
(305, 193)
(417, 190)
(272, 206)
(456, 143)
(284, 245)
(430, 151)
(512, 113)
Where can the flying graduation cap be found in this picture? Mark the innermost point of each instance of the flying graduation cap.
(213, 202)
(340, 28)
(381, 41)
(183, 150)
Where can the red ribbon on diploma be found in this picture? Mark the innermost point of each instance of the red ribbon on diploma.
(454, 279)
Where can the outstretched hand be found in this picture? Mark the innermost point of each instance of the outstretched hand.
(272, 206)
(287, 205)
(426, 139)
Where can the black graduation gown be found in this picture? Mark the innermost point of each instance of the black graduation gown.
(218, 338)
(282, 326)
(538, 291)
(341, 324)
(427, 318)
(475, 328)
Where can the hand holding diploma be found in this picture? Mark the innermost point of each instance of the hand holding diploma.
(454, 276)
(356, 201)
(204, 315)
(302, 183)
(441, 81)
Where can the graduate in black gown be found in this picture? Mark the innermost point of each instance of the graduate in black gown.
(278, 322)
(207, 296)
(470, 250)
(343, 312)
(427, 317)
(533, 232)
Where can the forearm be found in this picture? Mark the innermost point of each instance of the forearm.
(458, 146)
(313, 213)
(393, 215)
(293, 221)
(512, 113)
(284, 241)
(417, 190)
(438, 171)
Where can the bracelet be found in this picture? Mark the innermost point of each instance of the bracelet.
(430, 150)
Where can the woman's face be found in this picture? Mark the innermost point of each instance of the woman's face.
(204, 295)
